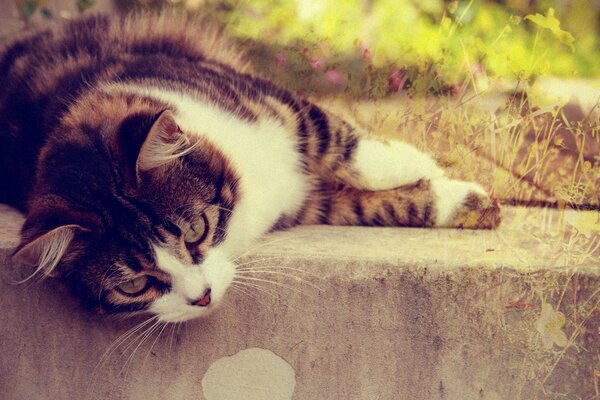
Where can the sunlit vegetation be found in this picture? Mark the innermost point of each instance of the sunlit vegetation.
(375, 45)
(442, 41)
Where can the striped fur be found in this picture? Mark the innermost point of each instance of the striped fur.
(138, 129)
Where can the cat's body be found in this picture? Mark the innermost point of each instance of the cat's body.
(147, 157)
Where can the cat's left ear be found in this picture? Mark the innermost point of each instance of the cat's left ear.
(164, 143)
(44, 251)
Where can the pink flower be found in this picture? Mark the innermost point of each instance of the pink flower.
(477, 69)
(334, 77)
(396, 80)
(365, 52)
(457, 90)
(281, 59)
(316, 64)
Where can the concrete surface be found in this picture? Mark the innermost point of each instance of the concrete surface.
(358, 313)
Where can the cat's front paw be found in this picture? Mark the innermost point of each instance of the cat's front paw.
(464, 205)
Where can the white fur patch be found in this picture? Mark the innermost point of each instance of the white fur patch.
(450, 195)
(190, 282)
(263, 154)
(385, 166)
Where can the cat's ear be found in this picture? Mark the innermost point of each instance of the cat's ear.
(44, 251)
(164, 143)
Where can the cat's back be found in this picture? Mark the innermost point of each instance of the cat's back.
(44, 71)
(97, 39)
(63, 58)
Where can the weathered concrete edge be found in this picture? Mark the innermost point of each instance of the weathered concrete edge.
(432, 250)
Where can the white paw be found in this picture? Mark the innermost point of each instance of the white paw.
(451, 195)
(384, 166)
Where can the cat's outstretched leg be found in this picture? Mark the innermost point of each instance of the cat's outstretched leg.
(378, 165)
(416, 205)
(370, 169)
(336, 151)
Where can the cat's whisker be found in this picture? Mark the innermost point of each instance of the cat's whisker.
(164, 325)
(243, 291)
(229, 306)
(172, 336)
(114, 346)
(148, 330)
(180, 328)
(258, 281)
(124, 337)
(283, 270)
(138, 336)
(237, 267)
(267, 243)
(185, 328)
(235, 289)
(270, 272)
(281, 267)
(247, 278)
(256, 287)
(140, 340)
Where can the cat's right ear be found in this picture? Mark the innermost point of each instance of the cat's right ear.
(147, 143)
(164, 143)
(45, 251)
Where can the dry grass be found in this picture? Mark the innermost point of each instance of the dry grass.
(523, 154)
(546, 156)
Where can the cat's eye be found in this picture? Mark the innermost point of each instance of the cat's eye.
(197, 231)
(135, 286)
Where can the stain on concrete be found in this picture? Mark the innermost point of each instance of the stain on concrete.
(251, 374)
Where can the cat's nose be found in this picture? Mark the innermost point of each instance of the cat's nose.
(202, 301)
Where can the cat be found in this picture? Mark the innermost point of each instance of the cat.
(147, 156)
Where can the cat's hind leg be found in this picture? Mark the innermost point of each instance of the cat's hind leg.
(387, 165)
(336, 151)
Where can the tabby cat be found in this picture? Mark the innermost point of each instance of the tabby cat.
(146, 156)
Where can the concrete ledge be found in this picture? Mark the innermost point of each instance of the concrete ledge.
(396, 314)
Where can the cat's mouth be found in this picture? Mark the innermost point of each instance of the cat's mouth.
(204, 300)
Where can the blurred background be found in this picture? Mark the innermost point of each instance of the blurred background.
(374, 47)
(502, 92)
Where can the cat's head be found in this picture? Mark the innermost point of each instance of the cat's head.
(132, 213)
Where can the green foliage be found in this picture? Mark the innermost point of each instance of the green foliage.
(27, 8)
(550, 22)
(374, 47)
(83, 5)
(446, 42)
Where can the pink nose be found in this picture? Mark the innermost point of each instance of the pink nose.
(204, 300)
